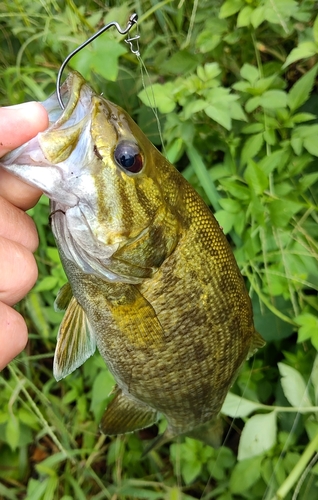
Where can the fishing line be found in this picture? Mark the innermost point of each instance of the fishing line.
(152, 103)
(230, 428)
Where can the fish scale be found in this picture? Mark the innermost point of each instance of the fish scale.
(153, 282)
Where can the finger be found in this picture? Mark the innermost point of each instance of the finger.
(13, 334)
(17, 192)
(18, 271)
(18, 124)
(17, 226)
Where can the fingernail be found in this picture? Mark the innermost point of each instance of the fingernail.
(20, 106)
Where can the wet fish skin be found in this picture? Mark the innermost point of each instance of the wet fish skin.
(152, 279)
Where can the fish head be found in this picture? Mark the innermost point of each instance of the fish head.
(112, 199)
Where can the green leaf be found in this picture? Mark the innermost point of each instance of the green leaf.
(193, 107)
(315, 29)
(258, 16)
(230, 7)
(304, 50)
(281, 211)
(13, 432)
(311, 144)
(272, 99)
(308, 327)
(244, 17)
(300, 91)
(258, 435)
(280, 11)
(94, 57)
(294, 386)
(225, 219)
(256, 179)
(47, 283)
(219, 114)
(245, 474)
(161, 94)
(251, 147)
(180, 63)
(237, 407)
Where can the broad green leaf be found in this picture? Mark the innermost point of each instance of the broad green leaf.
(294, 386)
(249, 73)
(251, 147)
(244, 17)
(190, 470)
(13, 432)
(245, 474)
(315, 30)
(236, 112)
(161, 95)
(303, 117)
(314, 374)
(230, 7)
(219, 114)
(230, 205)
(308, 328)
(281, 211)
(225, 219)
(258, 435)
(180, 62)
(256, 179)
(258, 16)
(280, 11)
(209, 71)
(193, 107)
(237, 407)
(252, 103)
(46, 283)
(272, 99)
(303, 51)
(300, 91)
(311, 144)
(93, 58)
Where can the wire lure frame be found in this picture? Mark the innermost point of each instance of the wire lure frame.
(132, 21)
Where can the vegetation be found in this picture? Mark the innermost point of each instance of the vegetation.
(234, 83)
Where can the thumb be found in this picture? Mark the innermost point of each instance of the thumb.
(20, 123)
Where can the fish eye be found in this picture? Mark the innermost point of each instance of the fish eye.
(128, 156)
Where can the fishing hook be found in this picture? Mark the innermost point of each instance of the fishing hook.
(132, 20)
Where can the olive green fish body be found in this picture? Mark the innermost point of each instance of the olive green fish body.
(153, 282)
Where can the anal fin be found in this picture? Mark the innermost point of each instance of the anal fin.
(126, 415)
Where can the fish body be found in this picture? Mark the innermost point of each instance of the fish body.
(153, 282)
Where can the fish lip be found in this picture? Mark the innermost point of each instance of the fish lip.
(71, 94)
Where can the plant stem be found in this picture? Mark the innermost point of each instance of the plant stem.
(297, 470)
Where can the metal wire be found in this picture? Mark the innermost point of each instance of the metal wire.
(132, 20)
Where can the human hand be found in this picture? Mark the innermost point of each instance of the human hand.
(18, 235)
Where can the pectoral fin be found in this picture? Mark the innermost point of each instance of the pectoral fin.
(63, 298)
(75, 342)
(135, 316)
(126, 415)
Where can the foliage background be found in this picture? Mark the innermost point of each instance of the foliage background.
(235, 87)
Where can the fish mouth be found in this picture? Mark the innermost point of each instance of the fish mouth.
(76, 96)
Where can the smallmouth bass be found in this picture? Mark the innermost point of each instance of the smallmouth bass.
(153, 282)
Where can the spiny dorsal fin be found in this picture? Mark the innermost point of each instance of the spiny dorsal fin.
(63, 298)
(75, 341)
(126, 415)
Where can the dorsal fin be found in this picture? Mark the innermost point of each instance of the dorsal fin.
(123, 414)
(75, 342)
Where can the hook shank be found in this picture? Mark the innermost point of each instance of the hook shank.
(132, 20)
